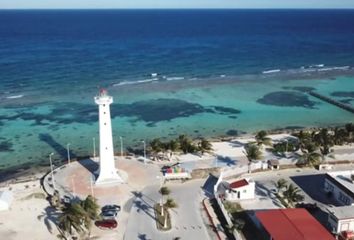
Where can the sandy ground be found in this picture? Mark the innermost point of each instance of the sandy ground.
(28, 217)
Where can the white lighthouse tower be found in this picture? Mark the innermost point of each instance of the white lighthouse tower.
(107, 172)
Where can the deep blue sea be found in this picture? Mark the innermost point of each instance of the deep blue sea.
(202, 72)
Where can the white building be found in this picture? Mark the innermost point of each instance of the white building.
(6, 199)
(107, 172)
(341, 219)
(340, 187)
(240, 190)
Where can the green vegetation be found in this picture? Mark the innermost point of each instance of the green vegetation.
(318, 143)
(253, 152)
(232, 207)
(261, 138)
(288, 195)
(281, 184)
(183, 143)
(76, 218)
(163, 222)
(161, 210)
(37, 195)
(170, 203)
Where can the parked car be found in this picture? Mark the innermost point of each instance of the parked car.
(113, 207)
(108, 223)
(311, 207)
(109, 214)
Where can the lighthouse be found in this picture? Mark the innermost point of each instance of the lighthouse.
(107, 172)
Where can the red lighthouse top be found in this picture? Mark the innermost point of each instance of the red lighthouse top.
(103, 92)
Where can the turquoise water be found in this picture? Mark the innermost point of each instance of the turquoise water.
(210, 79)
(44, 127)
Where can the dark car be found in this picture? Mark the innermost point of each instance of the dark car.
(108, 223)
(113, 207)
(311, 207)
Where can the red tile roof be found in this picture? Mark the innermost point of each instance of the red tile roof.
(292, 223)
(239, 183)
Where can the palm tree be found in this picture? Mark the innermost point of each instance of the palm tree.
(186, 144)
(71, 220)
(164, 191)
(311, 158)
(349, 127)
(173, 145)
(280, 184)
(170, 203)
(324, 139)
(292, 194)
(340, 136)
(253, 152)
(304, 138)
(204, 145)
(91, 209)
(156, 145)
(261, 138)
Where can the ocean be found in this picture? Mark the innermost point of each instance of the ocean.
(198, 72)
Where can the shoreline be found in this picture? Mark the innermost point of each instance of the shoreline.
(26, 172)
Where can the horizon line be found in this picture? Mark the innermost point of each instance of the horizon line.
(201, 8)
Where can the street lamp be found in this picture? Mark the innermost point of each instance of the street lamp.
(144, 151)
(68, 151)
(51, 169)
(121, 146)
(94, 148)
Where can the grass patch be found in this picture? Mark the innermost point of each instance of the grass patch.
(37, 195)
(160, 220)
(232, 207)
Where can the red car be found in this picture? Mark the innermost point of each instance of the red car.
(108, 223)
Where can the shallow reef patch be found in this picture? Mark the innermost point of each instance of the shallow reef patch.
(287, 99)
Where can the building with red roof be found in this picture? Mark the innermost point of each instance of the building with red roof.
(292, 223)
(240, 190)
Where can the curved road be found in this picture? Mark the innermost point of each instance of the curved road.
(187, 220)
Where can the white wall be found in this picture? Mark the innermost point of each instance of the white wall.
(6, 199)
(242, 193)
(340, 225)
(340, 196)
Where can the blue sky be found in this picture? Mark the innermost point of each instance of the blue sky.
(6, 4)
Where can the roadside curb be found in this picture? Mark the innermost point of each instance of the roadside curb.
(213, 219)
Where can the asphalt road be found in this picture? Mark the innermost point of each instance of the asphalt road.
(187, 220)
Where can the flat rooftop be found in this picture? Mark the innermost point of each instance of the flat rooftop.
(343, 178)
(343, 212)
(292, 223)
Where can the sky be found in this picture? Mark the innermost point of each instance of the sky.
(49, 4)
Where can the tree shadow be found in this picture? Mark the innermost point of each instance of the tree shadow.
(141, 206)
(143, 237)
(227, 160)
(50, 216)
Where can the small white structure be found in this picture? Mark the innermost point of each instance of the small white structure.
(240, 190)
(6, 199)
(341, 219)
(107, 172)
(340, 186)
